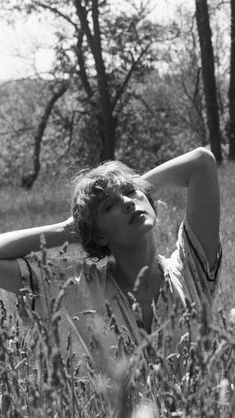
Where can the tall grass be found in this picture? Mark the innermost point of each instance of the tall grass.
(47, 203)
(39, 380)
(227, 282)
(36, 381)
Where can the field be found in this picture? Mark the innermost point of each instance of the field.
(47, 204)
(209, 390)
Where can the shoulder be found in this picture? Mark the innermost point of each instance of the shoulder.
(78, 285)
(190, 264)
(59, 269)
(191, 249)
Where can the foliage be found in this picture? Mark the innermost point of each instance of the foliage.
(158, 101)
(155, 123)
(99, 51)
(21, 107)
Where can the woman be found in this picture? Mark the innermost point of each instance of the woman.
(113, 214)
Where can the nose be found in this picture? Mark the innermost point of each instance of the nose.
(128, 204)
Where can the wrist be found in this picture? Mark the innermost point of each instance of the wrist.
(68, 230)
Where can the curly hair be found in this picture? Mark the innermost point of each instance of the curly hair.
(91, 186)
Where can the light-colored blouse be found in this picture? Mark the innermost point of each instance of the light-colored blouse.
(89, 288)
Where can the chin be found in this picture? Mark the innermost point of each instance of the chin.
(151, 221)
(149, 225)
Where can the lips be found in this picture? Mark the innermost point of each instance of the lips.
(136, 215)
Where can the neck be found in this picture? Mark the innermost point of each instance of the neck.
(129, 262)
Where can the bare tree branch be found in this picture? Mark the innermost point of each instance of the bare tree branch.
(197, 84)
(148, 107)
(128, 76)
(55, 11)
(28, 180)
(82, 13)
(17, 131)
(82, 69)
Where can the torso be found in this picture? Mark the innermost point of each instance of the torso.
(147, 313)
(147, 294)
(146, 303)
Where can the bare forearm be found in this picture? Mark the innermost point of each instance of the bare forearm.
(20, 243)
(178, 171)
(197, 171)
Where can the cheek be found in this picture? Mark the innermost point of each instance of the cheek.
(152, 212)
(111, 225)
(101, 226)
(148, 203)
(104, 224)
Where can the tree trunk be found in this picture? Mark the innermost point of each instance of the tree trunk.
(28, 180)
(106, 109)
(208, 74)
(232, 87)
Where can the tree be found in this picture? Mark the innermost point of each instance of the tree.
(189, 93)
(57, 93)
(208, 74)
(22, 103)
(101, 54)
(232, 86)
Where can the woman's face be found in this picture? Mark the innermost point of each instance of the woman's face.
(124, 216)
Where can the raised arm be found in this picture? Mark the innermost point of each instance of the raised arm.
(20, 243)
(197, 171)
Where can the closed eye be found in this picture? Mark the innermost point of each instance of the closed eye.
(130, 191)
(109, 204)
(108, 207)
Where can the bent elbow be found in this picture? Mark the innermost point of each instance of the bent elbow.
(206, 158)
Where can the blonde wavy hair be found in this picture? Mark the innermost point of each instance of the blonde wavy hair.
(90, 187)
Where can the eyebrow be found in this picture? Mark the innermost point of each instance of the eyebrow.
(122, 187)
(103, 199)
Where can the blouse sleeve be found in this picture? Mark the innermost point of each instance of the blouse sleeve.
(45, 281)
(193, 260)
(77, 291)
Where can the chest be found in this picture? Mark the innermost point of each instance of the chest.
(147, 316)
(146, 301)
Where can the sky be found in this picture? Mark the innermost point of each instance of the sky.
(27, 46)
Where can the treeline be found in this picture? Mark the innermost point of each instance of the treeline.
(122, 86)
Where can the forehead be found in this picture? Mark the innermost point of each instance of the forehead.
(104, 186)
